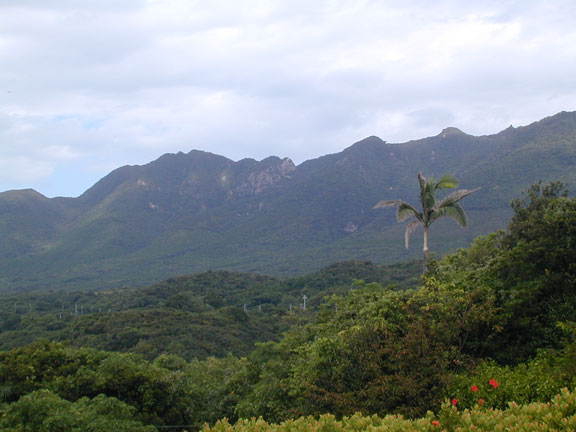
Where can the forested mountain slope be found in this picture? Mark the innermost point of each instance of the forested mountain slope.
(186, 213)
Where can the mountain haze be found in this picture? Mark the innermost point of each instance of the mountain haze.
(185, 213)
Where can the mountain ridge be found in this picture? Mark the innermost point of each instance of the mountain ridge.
(190, 212)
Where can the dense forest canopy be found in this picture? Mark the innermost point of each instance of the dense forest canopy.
(486, 326)
(197, 316)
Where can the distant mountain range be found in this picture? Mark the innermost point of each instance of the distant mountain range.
(185, 213)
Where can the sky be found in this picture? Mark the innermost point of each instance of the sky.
(87, 86)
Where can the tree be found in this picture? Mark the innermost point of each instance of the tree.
(432, 208)
(537, 273)
(45, 411)
(530, 272)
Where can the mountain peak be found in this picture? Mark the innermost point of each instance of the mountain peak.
(265, 174)
(372, 142)
(451, 131)
(23, 194)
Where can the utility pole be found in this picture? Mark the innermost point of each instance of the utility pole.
(304, 304)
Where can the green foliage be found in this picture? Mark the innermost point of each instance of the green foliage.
(267, 389)
(375, 350)
(194, 316)
(534, 203)
(539, 269)
(490, 327)
(530, 272)
(538, 379)
(157, 394)
(45, 411)
(156, 331)
(557, 415)
(380, 351)
(217, 384)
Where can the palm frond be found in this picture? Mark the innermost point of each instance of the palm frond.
(427, 195)
(409, 230)
(456, 196)
(386, 203)
(454, 211)
(422, 181)
(447, 181)
(406, 210)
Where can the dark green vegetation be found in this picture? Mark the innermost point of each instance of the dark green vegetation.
(193, 316)
(186, 213)
(487, 325)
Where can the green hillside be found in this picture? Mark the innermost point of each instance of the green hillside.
(486, 340)
(195, 316)
(188, 213)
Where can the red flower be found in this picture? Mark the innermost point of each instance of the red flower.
(480, 401)
(474, 388)
(454, 401)
(435, 422)
(493, 383)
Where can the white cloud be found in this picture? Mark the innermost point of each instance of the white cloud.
(92, 85)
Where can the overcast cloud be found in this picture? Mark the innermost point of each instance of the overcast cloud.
(87, 86)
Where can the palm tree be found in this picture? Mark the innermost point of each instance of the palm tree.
(432, 209)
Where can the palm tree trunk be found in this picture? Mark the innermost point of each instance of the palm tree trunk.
(425, 248)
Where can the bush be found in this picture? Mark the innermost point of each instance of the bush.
(537, 380)
(557, 415)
